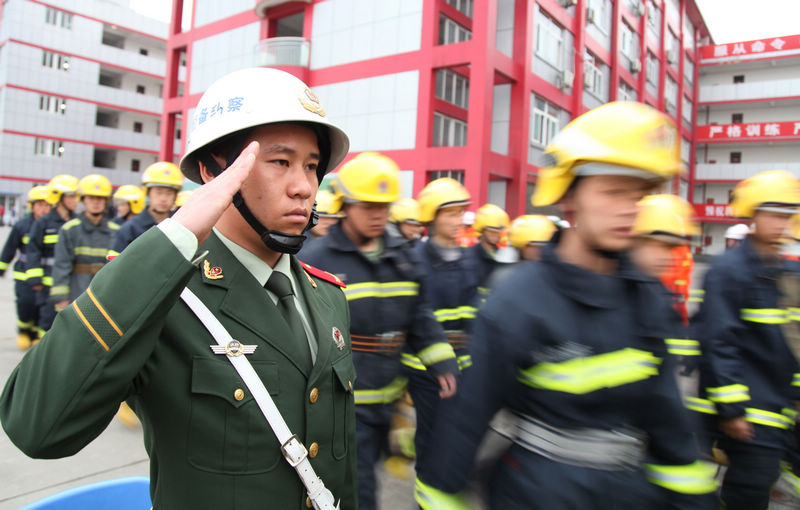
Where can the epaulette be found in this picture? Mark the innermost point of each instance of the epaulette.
(71, 223)
(323, 275)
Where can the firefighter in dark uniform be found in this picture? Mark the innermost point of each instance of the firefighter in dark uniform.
(491, 222)
(450, 284)
(42, 245)
(527, 235)
(130, 336)
(387, 305)
(750, 375)
(404, 220)
(17, 242)
(162, 180)
(573, 345)
(129, 200)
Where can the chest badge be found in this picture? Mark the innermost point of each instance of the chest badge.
(338, 338)
(212, 273)
(233, 349)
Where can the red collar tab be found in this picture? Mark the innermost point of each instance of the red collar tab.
(323, 275)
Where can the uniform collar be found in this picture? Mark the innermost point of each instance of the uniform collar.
(260, 270)
(339, 240)
(757, 264)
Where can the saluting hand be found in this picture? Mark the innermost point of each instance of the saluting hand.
(202, 210)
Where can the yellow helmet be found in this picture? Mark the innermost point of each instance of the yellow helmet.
(490, 216)
(60, 185)
(327, 204)
(37, 193)
(134, 195)
(619, 138)
(405, 210)
(773, 190)
(95, 185)
(164, 174)
(443, 192)
(667, 217)
(530, 229)
(369, 177)
(182, 197)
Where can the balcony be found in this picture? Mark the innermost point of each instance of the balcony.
(750, 91)
(739, 171)
(283, 51)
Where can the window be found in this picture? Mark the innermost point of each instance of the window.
(736, 157)
(688, 71)
(448, 131)
(52, 104)
(597, 12)
(652, 68)
(627, 41)
(453, 174)
(549, 41)
(463, 6)
(739, 78)
(452, 87)
(671, 94)
(737, 118)
(137, 127)
(545, 122)
(55, 60)
(135, 165)
(626, 92)
(57, 18)
(47, 147)
(686, 112)
(654, 18)
(140, 89)
(593, 76)
(451, 32)
(143, 51)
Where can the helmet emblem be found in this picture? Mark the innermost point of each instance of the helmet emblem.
(383, 186)
(310, 102)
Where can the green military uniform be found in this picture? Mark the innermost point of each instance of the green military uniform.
(130, 337)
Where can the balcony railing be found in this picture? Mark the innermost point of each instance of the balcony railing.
(754, 90)
(283, 51)
(738, 171)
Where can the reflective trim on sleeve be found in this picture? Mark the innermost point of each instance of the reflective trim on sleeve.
(697, 295)
(695, 478)
(429, 498)
(700, 405)
(788, 475)
(50, 239)
(729, 394)
(3, 266)
(91, 252)
(768, 418)
(796, 380)
(412, 361)
(47, 281)
(111, 254)
(20, 276)
(794, 313)
(464, 361)
(592, 373)
(25, 324)
(26, 239)
(683, 347)
(35, 272)
(453, 314)
(385, 395)
(380, 290)
(435, 353)
(764, 315)
(59, 290)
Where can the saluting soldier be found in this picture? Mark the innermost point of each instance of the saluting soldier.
(131, 337)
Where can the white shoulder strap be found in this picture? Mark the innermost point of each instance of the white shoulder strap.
(293, 450)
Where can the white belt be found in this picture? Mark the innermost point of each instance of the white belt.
(607, 450)
(293, 450)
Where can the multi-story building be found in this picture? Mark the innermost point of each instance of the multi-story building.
(464, 88)
(81, 86)
(748, 120)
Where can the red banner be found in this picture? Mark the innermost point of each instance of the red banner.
(712, 211)
(751, 49)
(750, 131)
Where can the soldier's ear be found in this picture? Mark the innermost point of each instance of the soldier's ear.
(205, 174)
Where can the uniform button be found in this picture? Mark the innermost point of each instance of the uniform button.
(350, 383)
(308, 503)
(238, 394)
(314, 395)
(313, 450)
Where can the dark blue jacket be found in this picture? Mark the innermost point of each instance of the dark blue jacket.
(748, 368)
(16, 243)
(575, 350)
(387, 309)
(40, 252)
(130, 230)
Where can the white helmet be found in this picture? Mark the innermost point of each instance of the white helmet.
(252, 97)
(738, 232)
(469, 218)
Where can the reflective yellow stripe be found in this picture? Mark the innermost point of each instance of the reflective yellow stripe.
(729, 394)
(435, 353)
(683, 347)
(51, 239)
(429, 498)
(412, 361)
(47, 281)
(790, 477)
(592, 373)
(19, 275)
(794, 313)
(452, 314)
(464, 361)
(3, 266)
(103, 311)
(700, 405)
(697, 295)
(89, 326)
(790, 413)
(36, 272)
(92, 252)
(796, 380)
(380, 290)
(113, 226)
(24, 325)
(764, 315)
(768, 418)
(111, 254)
(26, 239)
(695, 478)
(59, 290)
(385, 395)
(71, 223)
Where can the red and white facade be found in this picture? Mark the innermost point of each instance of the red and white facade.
(80, 91)
(748, 120)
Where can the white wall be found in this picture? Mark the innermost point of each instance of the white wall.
(752, 112)
(501, 118)
(717, 233)
(378, 113)
(778, 152)
(223, 53)
(207, 11)
(346, 31)
(504, 37)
